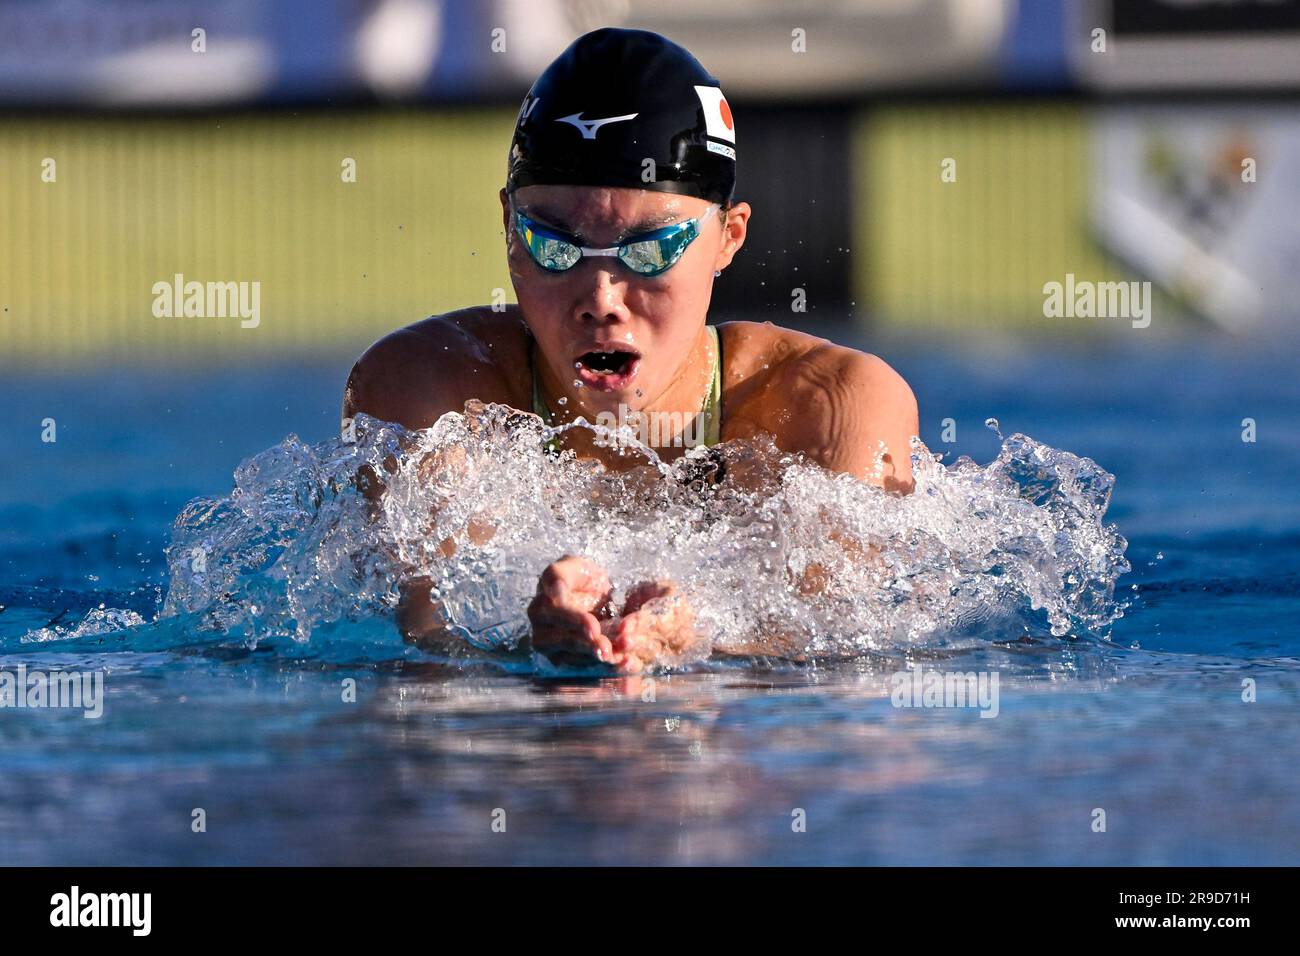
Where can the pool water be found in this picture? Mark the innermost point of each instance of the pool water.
(762, 762)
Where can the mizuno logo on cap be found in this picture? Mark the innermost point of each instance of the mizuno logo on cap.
(590, 127)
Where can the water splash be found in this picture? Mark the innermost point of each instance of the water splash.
(100, 620)
(781, 546)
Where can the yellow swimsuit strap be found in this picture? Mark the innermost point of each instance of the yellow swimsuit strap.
(712, 401)
(539, 404)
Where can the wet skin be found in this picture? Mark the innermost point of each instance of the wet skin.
(846, 410)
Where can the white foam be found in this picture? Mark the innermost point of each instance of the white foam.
(975, 553)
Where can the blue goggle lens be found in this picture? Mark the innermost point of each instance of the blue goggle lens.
(647, 255)
(553, 253)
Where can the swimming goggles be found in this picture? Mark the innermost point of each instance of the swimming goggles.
(646, 255)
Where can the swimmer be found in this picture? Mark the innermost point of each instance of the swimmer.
(619, 213)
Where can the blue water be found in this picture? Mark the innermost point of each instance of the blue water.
(1151, 727)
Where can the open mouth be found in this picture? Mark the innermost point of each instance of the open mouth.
(607, 371)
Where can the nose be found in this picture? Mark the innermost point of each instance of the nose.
(602, 300)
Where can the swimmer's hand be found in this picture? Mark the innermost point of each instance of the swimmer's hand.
(573, 596)
(657, 625)
(573, 620)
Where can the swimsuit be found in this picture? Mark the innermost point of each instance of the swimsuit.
(712, 410)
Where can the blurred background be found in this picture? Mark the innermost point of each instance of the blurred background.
(915, 166)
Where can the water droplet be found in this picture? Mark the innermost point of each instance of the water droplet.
(562, 400)
(577, 383)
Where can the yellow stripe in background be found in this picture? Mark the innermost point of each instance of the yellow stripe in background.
(244, 198)
(260, 197)
(973, 254)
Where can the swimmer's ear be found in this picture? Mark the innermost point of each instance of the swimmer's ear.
(735, 226)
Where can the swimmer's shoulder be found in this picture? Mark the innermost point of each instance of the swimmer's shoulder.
(762, 358)
(757, 358)
(416, 374)
(751, 348)
(813, 394)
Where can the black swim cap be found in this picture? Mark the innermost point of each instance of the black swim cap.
(615, 99)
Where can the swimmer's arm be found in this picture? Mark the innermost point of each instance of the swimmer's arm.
(379, 385)
(857, 416)
(854, 414)
(771, 637)
(421, 618)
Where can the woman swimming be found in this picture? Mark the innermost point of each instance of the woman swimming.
(619, 213)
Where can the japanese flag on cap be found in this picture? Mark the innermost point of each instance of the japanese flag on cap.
(717, 114)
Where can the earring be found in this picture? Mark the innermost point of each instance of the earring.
(716, 273)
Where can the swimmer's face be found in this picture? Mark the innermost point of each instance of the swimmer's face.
(602, 302)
